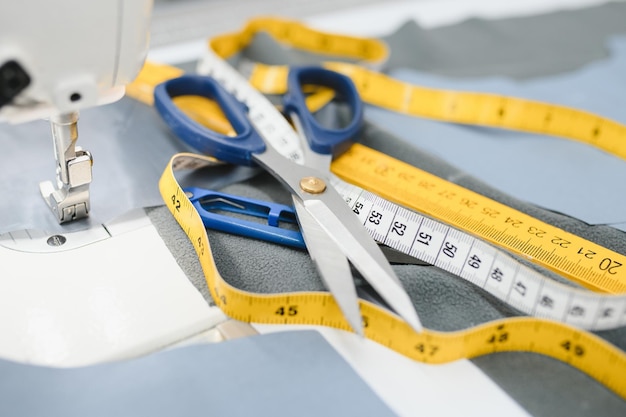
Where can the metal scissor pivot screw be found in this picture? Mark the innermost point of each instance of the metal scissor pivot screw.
(312, 185)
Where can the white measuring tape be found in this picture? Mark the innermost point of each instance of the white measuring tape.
(431, 241)
(263, 115)
(482, 264)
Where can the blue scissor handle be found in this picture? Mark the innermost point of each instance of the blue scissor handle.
(234, 149)
(321, 139)
(209, 203)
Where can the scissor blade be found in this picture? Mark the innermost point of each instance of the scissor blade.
(366, 257)
(332, 266)
(334, 216)
(315, 160)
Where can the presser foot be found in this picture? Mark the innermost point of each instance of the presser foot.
(69, 200)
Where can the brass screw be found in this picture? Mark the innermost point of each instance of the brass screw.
(312, 185)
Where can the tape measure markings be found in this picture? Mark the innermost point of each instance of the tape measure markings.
(584, 351)
(484, 109)
(295, 34)
(489, 110)
(589, 264)
(481, 264)
(283, 137)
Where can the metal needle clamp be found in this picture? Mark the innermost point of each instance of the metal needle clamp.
(69, 200)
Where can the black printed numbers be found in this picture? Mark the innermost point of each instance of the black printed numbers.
(219, 296)
(589, 254)
(536, 232)
(424, 238)
(561, 242)
(291, 310)
(375, 217)
(474, 261)
(426, 349)
(497, 274)
(176, 202)
(398, 228)
(449, 249)
(576, 349)
(500, 336)
(609, 265)
(200, 246)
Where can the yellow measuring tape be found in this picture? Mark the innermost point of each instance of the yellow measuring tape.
(375, 88)
(590, 264)
(587, 263)
(590, 354)
(294, 34)
(582, 350)
(473, 108)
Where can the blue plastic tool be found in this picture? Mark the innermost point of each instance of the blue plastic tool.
(210, 204)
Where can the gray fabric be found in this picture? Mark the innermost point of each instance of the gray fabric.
(518, 47)
(558, 42)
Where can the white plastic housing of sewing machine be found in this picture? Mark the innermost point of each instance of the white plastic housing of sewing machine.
(77, 53)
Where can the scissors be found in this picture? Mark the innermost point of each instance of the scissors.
(332, 233)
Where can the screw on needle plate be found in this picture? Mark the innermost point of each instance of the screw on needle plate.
(56, 240)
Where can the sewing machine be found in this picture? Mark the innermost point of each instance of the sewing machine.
(68, 56)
